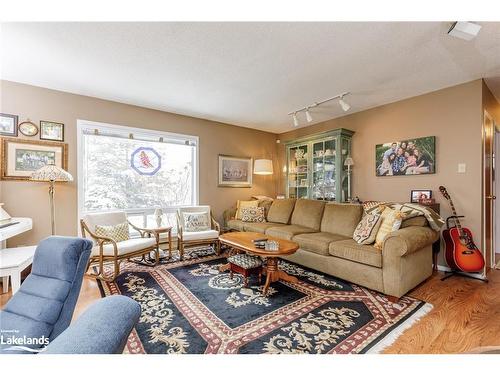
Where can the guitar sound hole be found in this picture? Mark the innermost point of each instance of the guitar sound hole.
(467, 252)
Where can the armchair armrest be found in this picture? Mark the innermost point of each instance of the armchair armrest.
(144, 231)
(215, 224)
(101, 240)
(102, 329)
(408, 240)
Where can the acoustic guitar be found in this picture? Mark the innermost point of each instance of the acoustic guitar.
(461, 252)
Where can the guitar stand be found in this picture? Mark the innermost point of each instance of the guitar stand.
(449, 274)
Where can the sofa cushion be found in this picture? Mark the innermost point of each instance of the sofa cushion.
(281, 211)
(308, 213)
(129, 246)
(317, 242)
(286, 232)
(259, 227)
(266, 203)
(351, 250)
(341, 218)
(235, 224)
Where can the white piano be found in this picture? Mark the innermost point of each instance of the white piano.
(23, 224)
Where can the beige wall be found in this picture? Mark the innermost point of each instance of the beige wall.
(453, 115)
(31, 199)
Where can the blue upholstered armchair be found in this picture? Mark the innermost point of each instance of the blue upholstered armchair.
(42, 309)
(102, 329)
(44, 305)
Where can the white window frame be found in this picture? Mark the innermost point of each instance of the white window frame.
(86, 125)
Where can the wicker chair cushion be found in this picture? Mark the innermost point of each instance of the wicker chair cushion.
(245, 261)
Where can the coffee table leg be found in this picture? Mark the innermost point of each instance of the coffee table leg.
(275, 274)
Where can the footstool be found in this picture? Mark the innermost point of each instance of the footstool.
(245, 265)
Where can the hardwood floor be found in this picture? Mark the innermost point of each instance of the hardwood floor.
(466, 314)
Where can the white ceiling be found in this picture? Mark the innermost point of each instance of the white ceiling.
(247, 74)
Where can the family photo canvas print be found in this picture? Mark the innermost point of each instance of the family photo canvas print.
(406, 157)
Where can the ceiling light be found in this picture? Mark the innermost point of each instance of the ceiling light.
(464, 30)
(295, 120)
(345, 106)
(308, 116)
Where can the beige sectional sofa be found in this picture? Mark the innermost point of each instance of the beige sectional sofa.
(324, 234)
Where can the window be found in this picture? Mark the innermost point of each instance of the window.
(135, 170)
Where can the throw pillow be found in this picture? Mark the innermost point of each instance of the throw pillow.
(117, 233)
(244, 204)
(366, 231)
(390, 221)
(196, 221)
(253, 214)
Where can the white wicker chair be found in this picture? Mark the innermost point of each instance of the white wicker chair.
(107, 250)
(207, 237)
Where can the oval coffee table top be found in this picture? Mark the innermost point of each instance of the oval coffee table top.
(243, 241)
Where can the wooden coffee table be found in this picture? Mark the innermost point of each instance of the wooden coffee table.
(242, 241)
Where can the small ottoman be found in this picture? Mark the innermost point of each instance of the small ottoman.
(245, 265)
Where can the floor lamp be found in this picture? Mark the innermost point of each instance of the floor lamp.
(349, 163)
(52, 174)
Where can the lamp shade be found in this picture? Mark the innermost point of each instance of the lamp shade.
(50, 172)
(348, 161)
(263, 166)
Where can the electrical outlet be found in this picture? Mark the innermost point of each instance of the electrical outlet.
(461, 168)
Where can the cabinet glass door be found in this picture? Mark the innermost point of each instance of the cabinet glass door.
(323, 164)
(298, 172)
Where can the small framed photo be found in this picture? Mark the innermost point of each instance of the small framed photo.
(235, 171)
(8, 124)
(419, 195)
(52, 131)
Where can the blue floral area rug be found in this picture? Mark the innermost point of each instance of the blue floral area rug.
(189, 306)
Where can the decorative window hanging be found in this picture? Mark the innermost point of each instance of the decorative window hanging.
(145, 161)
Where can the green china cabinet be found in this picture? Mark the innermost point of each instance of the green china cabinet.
(315, 166)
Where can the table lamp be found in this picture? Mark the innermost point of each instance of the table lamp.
(51, 173)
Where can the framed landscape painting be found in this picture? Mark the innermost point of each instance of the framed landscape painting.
(20, 157)
(235, 171)
(412, 156)
(8, 124)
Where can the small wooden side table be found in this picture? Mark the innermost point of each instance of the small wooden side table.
(12, 262)
(155, 231)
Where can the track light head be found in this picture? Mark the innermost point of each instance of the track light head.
(345, 106)
(308, 115)
(295, 120)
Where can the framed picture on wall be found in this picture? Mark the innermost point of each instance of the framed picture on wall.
(21, 157)
(52, 131)
(235, 171)
(412, 156)
(8, 124)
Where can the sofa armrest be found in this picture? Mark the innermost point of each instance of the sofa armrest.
(408, 240)
(229, 214)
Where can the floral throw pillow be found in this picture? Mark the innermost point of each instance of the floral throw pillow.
(117, 233)
(390, 221)
(253, 214)
(366, 231)
(196, 221)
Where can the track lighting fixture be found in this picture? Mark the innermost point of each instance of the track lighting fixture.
(343, 104)
(308, 116)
